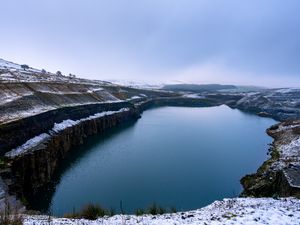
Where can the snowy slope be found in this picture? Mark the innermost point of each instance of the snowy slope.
(239, 211)
(12, 72)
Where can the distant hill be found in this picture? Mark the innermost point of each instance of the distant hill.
(197, 87)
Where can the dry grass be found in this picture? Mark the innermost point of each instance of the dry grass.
(8, 216)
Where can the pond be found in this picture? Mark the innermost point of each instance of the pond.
(174, 156)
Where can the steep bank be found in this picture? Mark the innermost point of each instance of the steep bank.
(280, 175)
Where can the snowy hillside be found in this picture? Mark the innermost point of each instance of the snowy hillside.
(12, 72)
(239, 211)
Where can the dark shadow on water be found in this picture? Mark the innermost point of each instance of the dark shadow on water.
(42, 200)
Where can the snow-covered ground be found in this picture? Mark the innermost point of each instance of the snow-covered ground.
(70, 123)
(193, 96)
(13, 72)
(239, 211)
(137, 84)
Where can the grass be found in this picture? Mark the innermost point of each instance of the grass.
(3, 162)
(139, 212)
(156, 210)
(90, 212)
(9, 216)
(94, 211)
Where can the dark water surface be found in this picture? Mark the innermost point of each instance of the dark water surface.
(174, 156)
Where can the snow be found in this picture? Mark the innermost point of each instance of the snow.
(286, 90)
(94, 90)
(70, 123)
(31, 143)
(290, 150)
(193, 96)
(239, 211)
(133, 97)
(12, 72)
(283, 128)
(63, 125)
(60, 92)
(10, 96)
(9, 65)
(106, 113)
(137, 84)
(9, 117)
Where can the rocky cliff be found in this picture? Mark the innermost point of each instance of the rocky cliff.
(280, 175)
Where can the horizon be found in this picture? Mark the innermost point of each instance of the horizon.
(252, 43)
(140, 82)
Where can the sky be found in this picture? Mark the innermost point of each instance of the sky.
(248, 42)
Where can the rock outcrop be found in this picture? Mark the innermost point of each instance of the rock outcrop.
(280, 104)
(280, 175)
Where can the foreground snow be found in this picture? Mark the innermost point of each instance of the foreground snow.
(229, 211)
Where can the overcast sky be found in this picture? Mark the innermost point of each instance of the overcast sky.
(251, 42)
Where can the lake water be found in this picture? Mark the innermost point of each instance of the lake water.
(174, 156)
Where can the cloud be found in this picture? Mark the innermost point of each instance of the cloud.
(197, 40)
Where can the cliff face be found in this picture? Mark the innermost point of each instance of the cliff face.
(35, 168)
(280, 175)
(18, 132)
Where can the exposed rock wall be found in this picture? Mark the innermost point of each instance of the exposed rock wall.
(175, 101)
(280, 175)
(18, 132)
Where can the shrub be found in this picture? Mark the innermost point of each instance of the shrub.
(11, 220)
(112, 212)
(24, 67)
(93, 211)
(154, 209)
(139, 212)
(173, 210)
(90, 212)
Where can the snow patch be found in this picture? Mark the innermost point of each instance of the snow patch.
(193, 96)
(70, 123)
(133, 97)
(290, 150)
(94, 90)
(286, 90)
(31, 143)
(63, 125)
